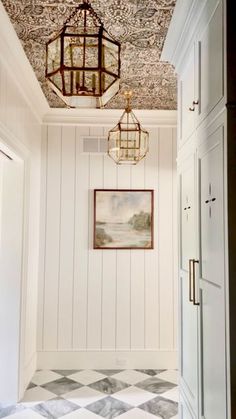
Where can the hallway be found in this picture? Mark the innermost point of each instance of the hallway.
(91, 394)
(117, 279)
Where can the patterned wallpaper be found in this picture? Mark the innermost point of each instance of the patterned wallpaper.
(140, 26)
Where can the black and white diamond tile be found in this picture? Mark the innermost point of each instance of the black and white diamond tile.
(160, 407)
(94, 394)
(151, 372)
(65, 373)
(55, 408)
(62, 385)
(155, 385)
(109, 407)
(109, 385)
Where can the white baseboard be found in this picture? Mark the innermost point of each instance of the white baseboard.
(107, 359)
(29, 370)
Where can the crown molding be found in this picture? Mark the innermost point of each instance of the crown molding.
(11, 145)
(181, 30)
(14, 58)
(108, 117)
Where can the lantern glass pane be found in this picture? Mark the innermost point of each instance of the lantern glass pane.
(81, 82)
(57, 80)
(113, 144)
(80, 51)
(110, 57)
(129, 139)
(129, 126)
(91, 82)
(54, 55)
(67, 81)
(73, 51)
(79, 28)
(91, 52)
(107, 81)
(144, 142)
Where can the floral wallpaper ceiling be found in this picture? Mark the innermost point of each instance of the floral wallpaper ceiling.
(140, 26)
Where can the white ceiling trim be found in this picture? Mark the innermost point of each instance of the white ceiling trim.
(14, 58)
(108, 117)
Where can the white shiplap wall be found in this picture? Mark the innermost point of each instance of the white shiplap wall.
(112, 307)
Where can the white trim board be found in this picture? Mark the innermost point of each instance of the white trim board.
(29, 371)
(14, 57)
(158, 359)
(108, 117)
(11, 145)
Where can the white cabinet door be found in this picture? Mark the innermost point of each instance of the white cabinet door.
(185, 99)
(184, 410)
(213, 360)
(188, 312)
(187, 213)
(188, 344)
(212, 294)
(211, 58)
(212, 215)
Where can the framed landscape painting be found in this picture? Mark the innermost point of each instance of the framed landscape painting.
(123, 219)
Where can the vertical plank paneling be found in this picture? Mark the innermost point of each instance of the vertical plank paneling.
(82, 185)
(42, 244)
(123, 317)
(175, 240)
(3, 87)
(137, 271)
(151, 257)
(95, 261)
(52, 247)
(109, 272)
(108, 300)
(166, 238)
(66, 266)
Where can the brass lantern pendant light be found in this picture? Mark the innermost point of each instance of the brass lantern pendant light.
(83, 61)
(128, 142)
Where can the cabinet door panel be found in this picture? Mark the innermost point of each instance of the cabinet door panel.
(212, 210)
(211, 62)
(188, 344)
(187, 213)
(212, 297)
(186, 98)
(184, 411)
(213, 382)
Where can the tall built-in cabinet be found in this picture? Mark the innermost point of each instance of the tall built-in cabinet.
(195, 45)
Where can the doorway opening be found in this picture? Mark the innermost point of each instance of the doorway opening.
(11, 253)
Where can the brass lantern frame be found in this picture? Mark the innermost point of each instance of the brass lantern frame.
(128, 141)
(77, 34)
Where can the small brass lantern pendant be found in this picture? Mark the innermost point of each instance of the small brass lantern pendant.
(128, 142)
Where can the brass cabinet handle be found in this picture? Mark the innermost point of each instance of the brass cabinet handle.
(195, 303)
(190, 280)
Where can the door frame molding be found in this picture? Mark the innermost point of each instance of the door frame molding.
(18, 152)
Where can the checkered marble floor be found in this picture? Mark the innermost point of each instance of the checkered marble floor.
(94, 394)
